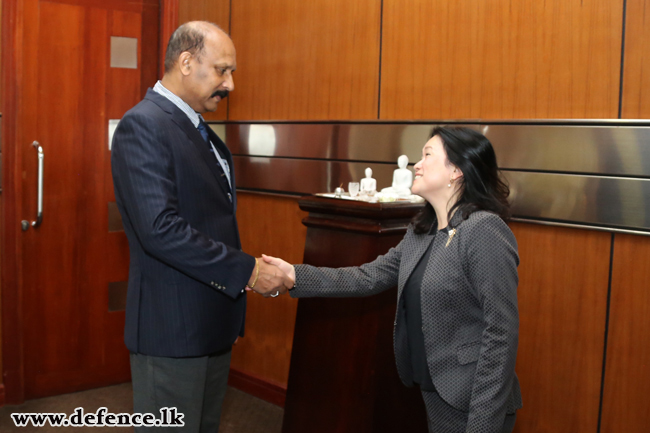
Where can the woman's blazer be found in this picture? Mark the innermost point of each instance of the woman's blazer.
(469, 311)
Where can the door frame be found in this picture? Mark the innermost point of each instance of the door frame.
(10, 246)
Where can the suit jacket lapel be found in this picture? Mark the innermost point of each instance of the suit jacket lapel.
(185, 124)
(197, 140)
(411, 259)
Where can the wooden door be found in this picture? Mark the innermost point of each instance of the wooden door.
(69, 67)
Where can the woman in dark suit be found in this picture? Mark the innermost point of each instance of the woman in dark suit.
(457, 322)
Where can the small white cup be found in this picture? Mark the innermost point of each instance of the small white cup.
(353, 188)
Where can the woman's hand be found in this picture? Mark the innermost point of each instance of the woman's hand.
(284, 266)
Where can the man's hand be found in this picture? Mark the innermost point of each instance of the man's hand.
(285, 267)
(269, 280)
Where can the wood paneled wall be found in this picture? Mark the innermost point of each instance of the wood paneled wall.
(269, 225)
(0, 94)
(297, 59)
(500, 59)
(563, 282)
(216, 11)
(1, 380)
(433, 59)
(1, 399)
(625, 396)
(636, 76)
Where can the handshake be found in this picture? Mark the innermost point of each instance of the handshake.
(271, 277)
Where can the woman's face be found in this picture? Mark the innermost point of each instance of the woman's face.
(433, 172)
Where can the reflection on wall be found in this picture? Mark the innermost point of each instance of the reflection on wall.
(261, 140)
(592, 173)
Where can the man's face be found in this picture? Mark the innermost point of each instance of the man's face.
(209, 80)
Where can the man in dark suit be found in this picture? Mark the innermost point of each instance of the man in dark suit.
(175, 189)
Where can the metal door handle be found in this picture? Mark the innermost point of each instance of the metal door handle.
(39, 209)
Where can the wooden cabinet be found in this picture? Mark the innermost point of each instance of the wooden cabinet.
(343, 376)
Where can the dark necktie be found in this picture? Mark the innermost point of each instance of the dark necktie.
(203, 129)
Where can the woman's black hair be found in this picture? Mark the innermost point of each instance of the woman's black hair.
(481, 185)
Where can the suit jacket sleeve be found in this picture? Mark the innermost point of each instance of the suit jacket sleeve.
(492, 268)
(144, 180)
(365, 280)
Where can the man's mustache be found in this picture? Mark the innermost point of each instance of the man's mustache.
(221, 93)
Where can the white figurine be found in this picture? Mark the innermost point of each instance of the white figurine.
(368, 184)
(402, 179)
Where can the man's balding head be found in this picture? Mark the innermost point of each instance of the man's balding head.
(190, 37)
(199, 63)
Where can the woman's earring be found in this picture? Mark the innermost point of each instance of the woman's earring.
(451, 180)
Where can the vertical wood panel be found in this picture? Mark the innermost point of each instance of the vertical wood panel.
(126, 89)
(1, 206)
(1, 380)
(12, 86)
(625, 398)
(1, 366)
(123, 85)
(0, 113)
(150, 39)
(501, 59)
(300, 59)
(270, 225)
(215, 11)
(168, 23)
(563, 279)
(636, 71)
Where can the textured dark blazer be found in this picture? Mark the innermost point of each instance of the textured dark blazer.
(469, 311)
(187, 271)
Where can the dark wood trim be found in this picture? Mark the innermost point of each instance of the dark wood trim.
(123, 5)
(2, 395)
(258, 387)
(151, 14)
(168, 23)
(10, 247)
(381, 211)
(383, 219)
(356, 225)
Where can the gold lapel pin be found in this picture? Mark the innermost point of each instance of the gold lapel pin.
(452, 232)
